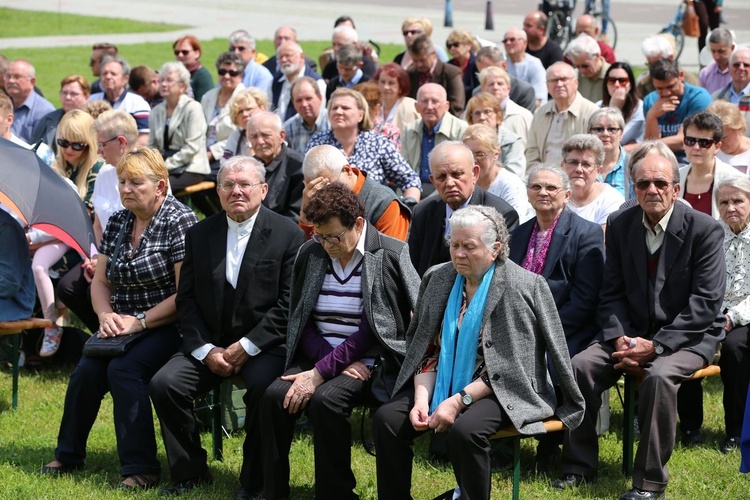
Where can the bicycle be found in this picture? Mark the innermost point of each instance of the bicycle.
(675, 29)
(606, 26)
(560, 21)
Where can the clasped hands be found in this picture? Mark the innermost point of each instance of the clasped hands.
(443, 418)
(112, 324)
(632, 353)
(226, 362)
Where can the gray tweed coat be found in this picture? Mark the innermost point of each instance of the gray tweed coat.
(520, 329)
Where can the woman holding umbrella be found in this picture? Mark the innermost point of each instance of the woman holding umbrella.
(78, 161)
(133, 292)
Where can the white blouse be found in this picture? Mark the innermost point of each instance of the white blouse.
(737, 295)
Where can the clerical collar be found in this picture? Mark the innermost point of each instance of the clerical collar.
(243, 228)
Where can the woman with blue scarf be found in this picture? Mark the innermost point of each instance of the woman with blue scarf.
(481, 332)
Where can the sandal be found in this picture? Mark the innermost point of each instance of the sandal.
(139, 482)
(57, 470)
(51, 341)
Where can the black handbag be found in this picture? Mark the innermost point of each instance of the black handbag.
(110, 347)
(168, 153)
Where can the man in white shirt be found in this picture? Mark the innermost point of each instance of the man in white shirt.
(233, 322)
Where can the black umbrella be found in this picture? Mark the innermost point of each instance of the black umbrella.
(43, 199)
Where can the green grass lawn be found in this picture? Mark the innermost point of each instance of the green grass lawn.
(21, 23)
(27, 440)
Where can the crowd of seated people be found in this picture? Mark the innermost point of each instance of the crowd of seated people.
(568, 221)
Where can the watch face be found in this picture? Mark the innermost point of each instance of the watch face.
(467, 399)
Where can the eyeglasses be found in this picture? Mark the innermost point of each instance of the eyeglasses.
(238, 48)
(181, 52)
(478, 113)
(740, 64)
(452, 45)
(232, 72)
(621, 81)
(341, 67)
(510, 40)
(644, 184)
(702, 143)
(412, 32)
(552, 190)
(582, 66)
(562, 79)
(331, 240)
(609, 130)
(102, 144)
(576, 163)
(228, 186)
(75, 146)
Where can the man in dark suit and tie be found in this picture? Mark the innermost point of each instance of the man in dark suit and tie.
(454, 175)
(232, 301)
(660, 318)
(427, 68)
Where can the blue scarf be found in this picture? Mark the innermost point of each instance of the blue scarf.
(458, 356)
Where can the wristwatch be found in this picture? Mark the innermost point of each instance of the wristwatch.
(658, 348)
(141, 316)
(466, 399)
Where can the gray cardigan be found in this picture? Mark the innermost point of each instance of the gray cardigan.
(389, 288)
(187, 134)
(520, 330)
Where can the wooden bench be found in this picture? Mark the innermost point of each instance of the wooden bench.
(628, 420)
(185, 195)
(510, 432)
(16, 328)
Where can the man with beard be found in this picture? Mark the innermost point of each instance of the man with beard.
(292, 65)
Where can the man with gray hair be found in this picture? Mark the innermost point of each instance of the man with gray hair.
(325, 164)
(283, 165)
(523, 65)
(344, 34)
(28, 106)
(349, 67)
(281, 35)
(660, 320)
(254, 75)
(586, 57)
(434, 125)
(454, 173)
(292, 66)
(115, 73)
(427, 68)
(738, 90)
(522, 93)
(233, 322)
(716, 75)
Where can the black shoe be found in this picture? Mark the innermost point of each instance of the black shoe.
(729, 445)
(547, 458)
(182, 487)
(638, 494)
(48, 470)
(690, 438)
(245, 494)
(570, 481)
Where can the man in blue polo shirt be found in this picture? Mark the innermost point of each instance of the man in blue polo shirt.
(28, 106)
(669, 104)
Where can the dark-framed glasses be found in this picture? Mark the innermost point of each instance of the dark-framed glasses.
(452, 45)
(622, 81)
(609, 130)
(331, 240)
(702, 143)
(232, 72)
(75, 146)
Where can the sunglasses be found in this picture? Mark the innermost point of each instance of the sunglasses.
(659, 184)
(412, 32)
(240, 48)
(181, 52)
(610, 130)
(702, 143)
(621, 81)
(739, 64)
(232, 72)
(510, 40)
(75, 146)
(452, 45)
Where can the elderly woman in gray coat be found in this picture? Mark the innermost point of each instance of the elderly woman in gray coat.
(353, 291)
(481, 332)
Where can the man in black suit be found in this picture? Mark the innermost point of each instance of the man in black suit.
(660, 318)
(454, 175)
(427, 68)
(232, 302)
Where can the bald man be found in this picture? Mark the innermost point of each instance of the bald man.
(587, 24)
(524, 66)
(434, 126)
(539, 44)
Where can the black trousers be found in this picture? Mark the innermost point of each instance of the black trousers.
(173, 391)
(329, 410)
(690, 405)
(735, 374)
(126, 378)
(468, 446)
(75, 292)
(708, 19)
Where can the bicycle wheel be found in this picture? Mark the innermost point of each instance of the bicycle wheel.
(675, 29)
(610, 36)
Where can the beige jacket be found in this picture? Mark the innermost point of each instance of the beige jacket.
(517, 119)
(451, 129)
(576, 122)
